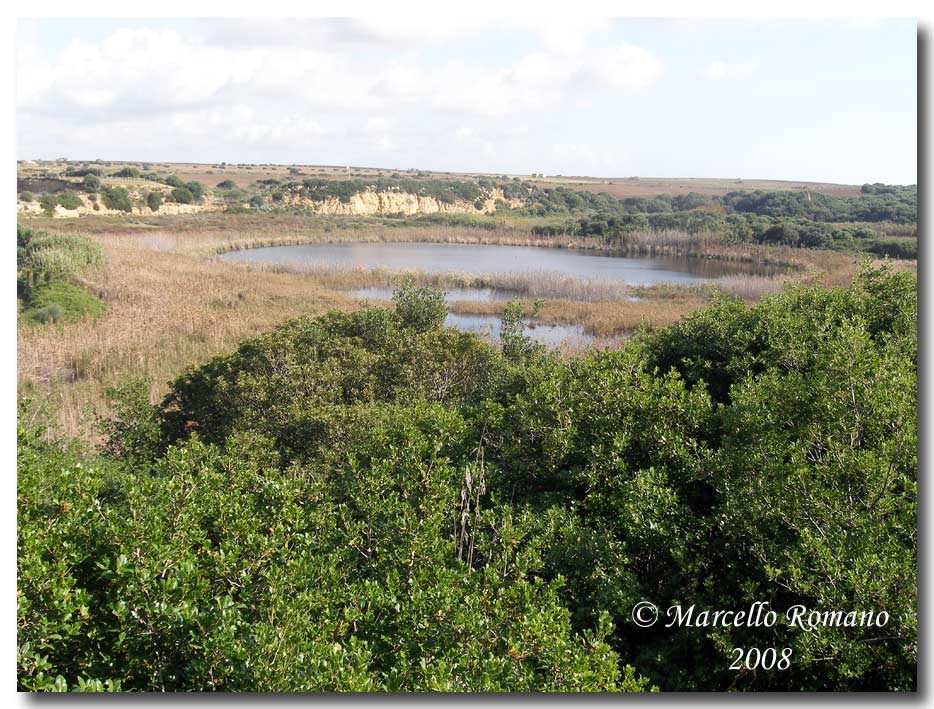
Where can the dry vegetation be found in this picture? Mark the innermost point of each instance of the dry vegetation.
(172, 303)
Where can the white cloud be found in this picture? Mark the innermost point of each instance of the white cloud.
(565, 35)
(720, 71)
(268, 82)
(623, 67)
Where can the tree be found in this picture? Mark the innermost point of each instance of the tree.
(182, 195)
(420, 308)
(154, 200)
(117, 198)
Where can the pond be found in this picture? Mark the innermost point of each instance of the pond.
(492, 259)
(550, 335)
(483, 295)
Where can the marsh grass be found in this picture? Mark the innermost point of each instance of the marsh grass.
(170, 304)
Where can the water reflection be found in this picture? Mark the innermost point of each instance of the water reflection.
(485, 295)
(495, 259)
(550, 335)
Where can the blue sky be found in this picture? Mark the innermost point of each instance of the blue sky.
(827, 100)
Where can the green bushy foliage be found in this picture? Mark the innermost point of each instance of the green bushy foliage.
(154, 201)
(126, 172)
(182, 195)
(63, 301)
(51, 313)
(117, 198)
(422, 309)
(70, 200)
(41, 257)
(366, 501)
(91, 183)
(197, 190)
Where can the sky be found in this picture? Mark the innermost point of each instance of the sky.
(822, 100)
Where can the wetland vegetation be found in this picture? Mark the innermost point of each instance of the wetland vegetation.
(235, 476)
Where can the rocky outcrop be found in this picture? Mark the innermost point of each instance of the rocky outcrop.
(368, 202)
(390, 202)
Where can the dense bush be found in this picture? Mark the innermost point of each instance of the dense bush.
(809, 220)
(154, 201)
(67, 199)
(421, 309)
(895, 248)
(182, 195)
(371, 501)
(117, 198)
(126, 172)
(82, 171)
(68, 302)
(41, 257)
(197, 190)
(26, 196)
(91, 183)
(878, 203)
(70, 200)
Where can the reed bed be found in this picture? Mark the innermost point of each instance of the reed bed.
(172, 304)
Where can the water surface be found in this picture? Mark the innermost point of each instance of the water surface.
(548, 334)
(484, 295)
(492, 258)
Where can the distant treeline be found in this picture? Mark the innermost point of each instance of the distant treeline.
(738, 228)
(876, 203)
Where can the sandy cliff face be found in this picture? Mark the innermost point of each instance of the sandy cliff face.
(368, 202)
(377, 203)
(371, 202)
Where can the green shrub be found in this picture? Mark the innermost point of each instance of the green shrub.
(421, 308)
(70, 200)
(126, 172)
(182, 195)
(91, 183)
(226, 185)
(893, 248)
(73, 302)
(48, 202)
(197, 190)
(51, 313)
(154, 200)
(26, 196)
(117, 198)
(367, 502)
(42, 257)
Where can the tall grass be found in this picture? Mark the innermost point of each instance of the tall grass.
(172, 304)
(42, 258)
